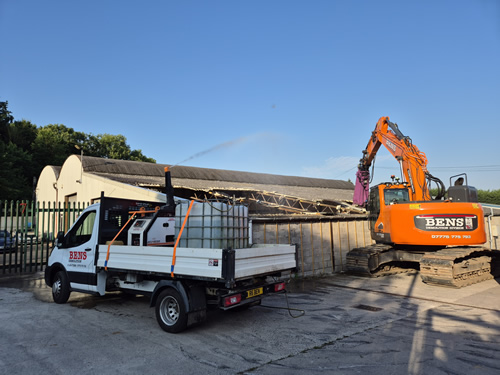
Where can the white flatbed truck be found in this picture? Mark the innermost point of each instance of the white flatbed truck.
(131, 246)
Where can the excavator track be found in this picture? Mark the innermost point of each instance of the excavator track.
(365, 261)
(452, 267)
(460, 266)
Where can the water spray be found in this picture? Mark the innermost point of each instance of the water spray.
(215, 148)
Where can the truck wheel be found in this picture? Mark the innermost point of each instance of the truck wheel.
(60, 288)
(171, 311)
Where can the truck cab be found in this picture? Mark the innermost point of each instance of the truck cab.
(77, 252)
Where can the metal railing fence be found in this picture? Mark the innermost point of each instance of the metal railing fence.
(28, 230)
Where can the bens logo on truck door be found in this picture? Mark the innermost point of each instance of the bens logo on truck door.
(75, 256)
(446, 222)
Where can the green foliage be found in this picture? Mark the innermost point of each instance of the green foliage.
(487, 196)
(26, 149)
(54, 143)
(15, 169)
(112, 147)
(137, 155)
(5, 119)
(23, 133)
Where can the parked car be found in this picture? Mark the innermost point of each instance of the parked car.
(7, 242)
(27, 238)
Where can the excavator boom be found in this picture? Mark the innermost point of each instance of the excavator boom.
(412, 161)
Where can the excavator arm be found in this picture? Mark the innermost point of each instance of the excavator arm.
(412, 161)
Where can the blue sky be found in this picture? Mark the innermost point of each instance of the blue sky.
(290, 87)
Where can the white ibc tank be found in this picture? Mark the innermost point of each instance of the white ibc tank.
(213, 225)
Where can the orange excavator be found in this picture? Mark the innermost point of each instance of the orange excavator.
(410, 227)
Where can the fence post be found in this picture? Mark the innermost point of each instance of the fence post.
(3, 206)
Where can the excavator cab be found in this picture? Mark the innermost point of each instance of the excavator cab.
(396, 194)
(382, 196)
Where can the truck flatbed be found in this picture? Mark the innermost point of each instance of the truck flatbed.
(211, 264)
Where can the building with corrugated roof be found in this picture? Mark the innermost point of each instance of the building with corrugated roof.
(82, 179)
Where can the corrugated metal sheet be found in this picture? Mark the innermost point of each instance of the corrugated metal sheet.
(285, 193)
(123, 169)
(309, 193)
(56, 169)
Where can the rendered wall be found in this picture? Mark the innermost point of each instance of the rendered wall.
(73, 185)
(323, 244)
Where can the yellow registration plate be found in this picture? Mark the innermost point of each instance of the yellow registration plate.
(254, 292)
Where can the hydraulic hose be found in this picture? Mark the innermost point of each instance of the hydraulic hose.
(440, 186)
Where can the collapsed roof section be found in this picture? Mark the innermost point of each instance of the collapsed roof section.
(264, 193)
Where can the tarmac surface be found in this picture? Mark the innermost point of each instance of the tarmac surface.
(351, 325)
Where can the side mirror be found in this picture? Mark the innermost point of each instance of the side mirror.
(60, 239)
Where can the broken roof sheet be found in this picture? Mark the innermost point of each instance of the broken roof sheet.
(124, 169)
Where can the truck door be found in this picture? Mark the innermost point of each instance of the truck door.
(79, 247)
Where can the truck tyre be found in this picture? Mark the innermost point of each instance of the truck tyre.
(60, 288)
(171, 311)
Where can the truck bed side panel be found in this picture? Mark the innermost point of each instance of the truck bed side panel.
(189, 261)
(206, 263)
(263, 259)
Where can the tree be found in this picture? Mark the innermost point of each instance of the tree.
(109, 146)
(5, 119)
(53, 144)
(14, 161)
(112, 147)
(487, 196)
(25, 150)
(137, 155)
(23, 133)
(15, 164)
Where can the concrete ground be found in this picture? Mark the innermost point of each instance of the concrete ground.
(351, 325)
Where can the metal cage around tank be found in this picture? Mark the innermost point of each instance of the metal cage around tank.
(213, 225)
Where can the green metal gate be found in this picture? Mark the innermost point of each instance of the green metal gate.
(28, 230)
